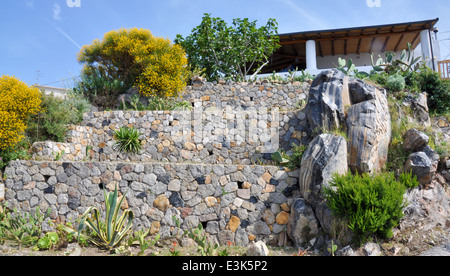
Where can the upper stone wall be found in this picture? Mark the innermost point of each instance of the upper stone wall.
(246, 95)
(228, 124)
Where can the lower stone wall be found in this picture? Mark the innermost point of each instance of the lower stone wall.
(236, 203)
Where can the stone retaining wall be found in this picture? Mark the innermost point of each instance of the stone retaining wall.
(208, 165)
(247, 95)
(236, 203)
(237, 123)
(211, 136)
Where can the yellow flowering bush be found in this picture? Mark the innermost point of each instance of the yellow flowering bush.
(12, 130)
(136, 58)
(17, 102)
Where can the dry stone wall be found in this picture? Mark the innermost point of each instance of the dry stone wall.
(219, 128)
(208, 165)
(235, 203)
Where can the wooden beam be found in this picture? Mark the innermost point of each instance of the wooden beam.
(348, 37)
(319, 44)
(289, 56)
(385, 44)
(415, 39)
(398, 43)
(345, 47)
(371, 45)
(332, 48)
(358, 50)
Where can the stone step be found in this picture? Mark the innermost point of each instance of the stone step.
(236, 203)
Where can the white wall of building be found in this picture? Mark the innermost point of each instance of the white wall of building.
(57, 92)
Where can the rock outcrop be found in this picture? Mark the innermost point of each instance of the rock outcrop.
(303, 225)
(423, 161)
(325, 156)
(337, 102)
(328, 99)
(369, 128)
(357, 110)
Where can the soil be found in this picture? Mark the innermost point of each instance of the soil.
(408, 243)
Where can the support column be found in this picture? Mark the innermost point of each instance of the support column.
(426, 47)
(311, 57)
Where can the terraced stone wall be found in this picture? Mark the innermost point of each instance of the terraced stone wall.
(210, 164)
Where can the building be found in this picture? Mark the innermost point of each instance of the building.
(318, 50)
(57, 91)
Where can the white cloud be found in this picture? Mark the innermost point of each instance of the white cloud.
(306, 15)
(30, 4)
(56, 12)
(63, 33)
(176, 3)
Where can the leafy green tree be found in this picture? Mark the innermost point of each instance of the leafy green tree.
(232, 51)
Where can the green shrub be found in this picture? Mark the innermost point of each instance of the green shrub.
(438, 91)
(127, 140)
(56, 115)
(372, 205)
(396, 83)
(412, 81)
(379, 78)
(295, 160)
(408, 180)
(19, 152)
(101, 90)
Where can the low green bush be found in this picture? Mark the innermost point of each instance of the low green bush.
(372, 205)
(438, 91)
(19, 152)
(56, 115)
(101, 90)
(295, 160)
(396, 83)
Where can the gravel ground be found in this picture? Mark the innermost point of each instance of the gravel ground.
(435, 242)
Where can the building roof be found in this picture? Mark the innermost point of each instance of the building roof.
(341, 42)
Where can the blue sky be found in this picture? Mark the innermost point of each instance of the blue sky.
(40, 39)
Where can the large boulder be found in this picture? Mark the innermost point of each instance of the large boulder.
(328, 99)
(258, 249)
(325, 156)
(369, 128)
(423, 164)
(303, 225)
(337, 102)
(129, 96)
(414, 140)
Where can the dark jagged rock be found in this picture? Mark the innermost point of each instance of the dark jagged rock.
(415, 140)
(328, 98)
(369, 128)
(325, 156)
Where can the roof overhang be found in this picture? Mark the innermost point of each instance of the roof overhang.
(342, 42)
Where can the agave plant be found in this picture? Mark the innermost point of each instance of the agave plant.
(127, 140)
(114, 231)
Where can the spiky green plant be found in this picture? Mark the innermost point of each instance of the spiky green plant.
(127, 140)
(114, 231)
